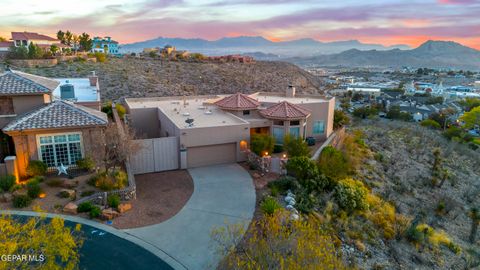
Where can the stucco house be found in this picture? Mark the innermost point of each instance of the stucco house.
(217, 129)
(105, 45)
(37, 126)
(43, 41)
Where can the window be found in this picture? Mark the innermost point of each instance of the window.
(246, 112)
(59, 149)
(278, 134)
(278, 122)
(295, 132)
(319, 127)
(294, 123)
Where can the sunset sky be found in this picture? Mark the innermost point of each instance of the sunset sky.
(386, 22)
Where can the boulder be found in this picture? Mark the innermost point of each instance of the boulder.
(70, 192)
(70, 208)
(6, 197)
(109, 214)
(124, 207)
(19, 192)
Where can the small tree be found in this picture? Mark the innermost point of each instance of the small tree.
(472, 118)
(119, 146)
(340, 119)
(334, 163)
(55, 245)
(475, 217)
(295, 146)
(54, 49)
(85, 42)
(277, 242)
(261, 144)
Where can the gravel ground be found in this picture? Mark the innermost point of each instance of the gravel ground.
(160, 196)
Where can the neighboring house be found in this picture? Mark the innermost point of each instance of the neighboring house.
(5, 48)
(43, 41)
(38, 127)
(105, 45)
(217, 129)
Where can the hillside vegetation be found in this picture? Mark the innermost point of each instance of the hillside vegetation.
(148, 78)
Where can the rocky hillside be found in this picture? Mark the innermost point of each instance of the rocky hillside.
(145, 77)
(401, 173)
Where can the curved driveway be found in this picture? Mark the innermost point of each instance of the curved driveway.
(222, 194)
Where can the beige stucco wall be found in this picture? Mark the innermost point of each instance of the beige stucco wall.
(320, 111)
(145, 122)
(26, 144)
(23, 104)
(167, 127)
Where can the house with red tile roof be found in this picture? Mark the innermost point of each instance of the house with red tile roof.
(217, 129)
(43, 41)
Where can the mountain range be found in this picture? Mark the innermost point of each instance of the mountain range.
(432, 54)
(245, 44)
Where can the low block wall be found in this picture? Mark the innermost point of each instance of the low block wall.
(33, 62)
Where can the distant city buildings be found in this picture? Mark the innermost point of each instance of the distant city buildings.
(105, 45)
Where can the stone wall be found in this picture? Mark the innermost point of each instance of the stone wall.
(27, 63)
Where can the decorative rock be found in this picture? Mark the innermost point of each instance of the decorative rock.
(292, 202)
(109, 214)
(6, 197)
(70, 208)
(288, 199)
(294, 216)
(19, 192)
(70, 192)
(290, 207)
(290, 194)
(124, 207)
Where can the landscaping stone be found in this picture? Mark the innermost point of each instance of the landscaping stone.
(19, 192)
(70, 192)
(124, 207)
(6, 197)
(109, 214)
(70, 208)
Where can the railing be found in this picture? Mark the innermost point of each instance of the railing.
(125, 194)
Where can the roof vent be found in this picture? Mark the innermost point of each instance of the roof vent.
(67, 91)
(208, 112)
(186, 114)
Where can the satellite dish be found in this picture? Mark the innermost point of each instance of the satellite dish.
(189, 121)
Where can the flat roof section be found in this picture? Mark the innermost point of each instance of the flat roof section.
(84, 92)
(195, 108)
(279, 97)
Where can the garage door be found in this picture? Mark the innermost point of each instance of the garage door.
(211, 155)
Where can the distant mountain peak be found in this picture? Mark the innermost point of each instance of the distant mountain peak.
(439, 45)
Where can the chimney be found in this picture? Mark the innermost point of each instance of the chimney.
(93, 79)
(290, 91)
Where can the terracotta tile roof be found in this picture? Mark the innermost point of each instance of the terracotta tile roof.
(58, 114)
(285, 110)
(19, 83)
(4, 44)
(237, 101)
(30, 36)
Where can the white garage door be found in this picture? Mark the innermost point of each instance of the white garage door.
(211, 155)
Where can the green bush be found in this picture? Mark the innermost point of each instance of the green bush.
(101, 57)
(283, 184)
(38, 178)
(113, 200)
(95, 212)
(340, 119)
(85, 207)
(36, 168)
(305, 201)
(120, 110)
(107, 108)
(87, 164)
(295, 147)
(302, 168)
(64, 194)
(109, 181)
(430, 124)
(21, 201)
(7, 182)
(33, 188)
(351, 195)
(269, 205)
(277, 148)
(262, 143)
(333, 163)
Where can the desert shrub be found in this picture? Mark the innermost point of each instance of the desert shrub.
(21, 201)
(334, 163)
(36, 168)
(305, 201)
(120, 110)
(430, 124)
(87, 193)
(283, 184)
(340, 119)
(351, 195)
(295, 147)
(85, 207)
(101, 57)
(113, 200)
(262, 143)
(87, 164)
(302, 168)
(95, 212)
(364, 112)
(269, 205)
(54, 182)
(64, 194)
(107, 108)
(109, 181)
(7, 182)
(454, 132)
(382, 214)
(33, 188)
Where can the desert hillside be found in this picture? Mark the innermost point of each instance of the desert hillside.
(146, 77)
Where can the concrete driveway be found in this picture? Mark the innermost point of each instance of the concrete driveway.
(222, 193)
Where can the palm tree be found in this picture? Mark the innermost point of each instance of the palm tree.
(475, 217)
